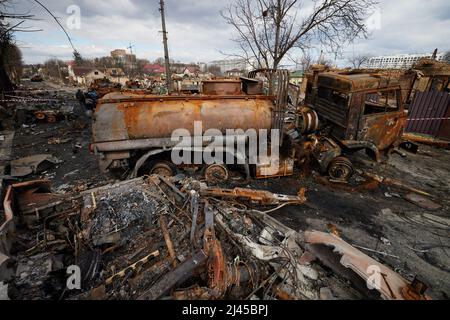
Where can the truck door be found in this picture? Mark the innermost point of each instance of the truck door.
(383, 119)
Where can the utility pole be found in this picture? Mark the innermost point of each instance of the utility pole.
(166, 48)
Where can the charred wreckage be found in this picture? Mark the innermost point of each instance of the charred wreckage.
(176, 238)
(165, 234)
(343, 113)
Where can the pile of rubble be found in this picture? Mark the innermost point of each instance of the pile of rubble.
(159, 238)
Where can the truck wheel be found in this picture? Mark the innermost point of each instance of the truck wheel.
(340, 169)
(39, 115)
(163, 168)
(216, 174)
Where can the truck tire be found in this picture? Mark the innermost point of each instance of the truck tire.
(39, 115)
(216, 174)
(341, 169)
(163, 168)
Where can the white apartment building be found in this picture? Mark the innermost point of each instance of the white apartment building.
(400, 61)
(231, 64)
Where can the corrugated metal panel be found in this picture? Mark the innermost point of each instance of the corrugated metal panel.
(444, 131)
(428, 112)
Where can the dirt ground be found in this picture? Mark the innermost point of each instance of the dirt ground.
(411, 240)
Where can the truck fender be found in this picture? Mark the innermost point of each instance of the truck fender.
(144, 159)
(362, 145)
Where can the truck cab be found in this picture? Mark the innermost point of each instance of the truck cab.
(359, 110)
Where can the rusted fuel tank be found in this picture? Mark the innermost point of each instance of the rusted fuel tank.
(123, 117)
(130, 129)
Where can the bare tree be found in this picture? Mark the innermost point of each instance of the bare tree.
(358, 61)
(306, 61)
(160, 61)
(215, 70)
(56, 69)
(140, 65)
(13, 63)
(268, 29)
(78, 59)
(10, 56)
(104, 62)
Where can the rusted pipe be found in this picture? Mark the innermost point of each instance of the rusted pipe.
(168, 240)
(177, 276)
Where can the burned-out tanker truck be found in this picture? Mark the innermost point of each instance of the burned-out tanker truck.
(134, 133)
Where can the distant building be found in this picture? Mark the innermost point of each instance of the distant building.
(177, 67)
(231, 64)
(153, 69)
(114, 72)
(83, 75)
(297, 77)
(203, 67)
(116, 75)
(191, 71)
(401, 61)
(119, 54)
(235, 73)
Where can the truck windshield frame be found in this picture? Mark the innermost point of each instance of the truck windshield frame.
(381, 102)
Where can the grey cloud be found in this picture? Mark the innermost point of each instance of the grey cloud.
(198, 32)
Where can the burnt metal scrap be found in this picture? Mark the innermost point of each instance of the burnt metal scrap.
(261, 197)
(49, 106)
(160, 238)
(391, 285)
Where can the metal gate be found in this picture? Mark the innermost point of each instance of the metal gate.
(429, 114)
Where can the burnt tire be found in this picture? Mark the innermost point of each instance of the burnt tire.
(163, 168)
(216, 174)
(340, 169)
(39, 116)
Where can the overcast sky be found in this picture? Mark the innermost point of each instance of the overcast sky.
(197, 32)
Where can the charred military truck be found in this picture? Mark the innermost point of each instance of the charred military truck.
(134, 132)
(356, 111)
